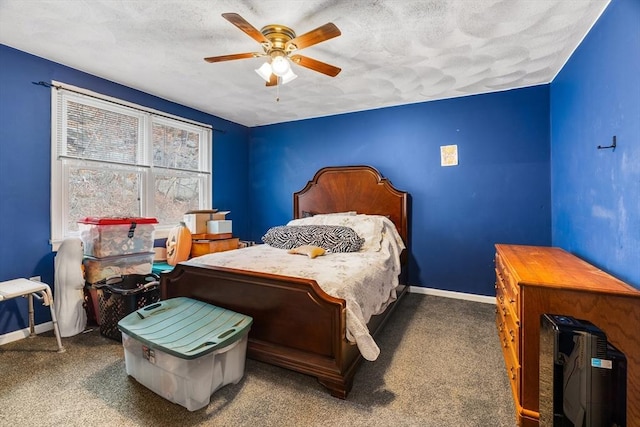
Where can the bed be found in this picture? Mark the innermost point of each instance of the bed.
(297, 325)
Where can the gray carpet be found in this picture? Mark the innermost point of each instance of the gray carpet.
(440, 365)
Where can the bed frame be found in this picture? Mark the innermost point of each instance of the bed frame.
(296, 325)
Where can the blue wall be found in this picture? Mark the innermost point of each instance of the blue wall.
(596, 193)
(500, 192)
(25, 167)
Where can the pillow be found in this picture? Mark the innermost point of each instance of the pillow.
(331, 238)
(308, 250)
(369, 227)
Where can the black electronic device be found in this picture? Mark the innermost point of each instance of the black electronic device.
(582, 375)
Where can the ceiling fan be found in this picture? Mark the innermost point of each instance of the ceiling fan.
(279, 44)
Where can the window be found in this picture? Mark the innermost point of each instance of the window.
(112, 158)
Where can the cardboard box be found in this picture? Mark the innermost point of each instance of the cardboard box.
(196, 221)
(219, 226)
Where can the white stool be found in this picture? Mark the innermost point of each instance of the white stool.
(28, 288)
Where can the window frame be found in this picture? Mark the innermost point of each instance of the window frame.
(61, 163)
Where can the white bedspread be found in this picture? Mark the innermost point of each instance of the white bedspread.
(366, 280)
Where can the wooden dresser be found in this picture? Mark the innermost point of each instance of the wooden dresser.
(533, 280)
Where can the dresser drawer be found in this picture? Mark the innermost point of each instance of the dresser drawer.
(509, 330)
(513, 372)
(506, 298)
(510, 289)
(510, 355)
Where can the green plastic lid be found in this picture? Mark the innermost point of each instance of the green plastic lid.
(184, 327)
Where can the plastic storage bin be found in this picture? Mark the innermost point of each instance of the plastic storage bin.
(184, 350)
(97, 269)
(106, 237)
(122, 295)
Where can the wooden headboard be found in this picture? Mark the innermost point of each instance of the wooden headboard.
(353, 188)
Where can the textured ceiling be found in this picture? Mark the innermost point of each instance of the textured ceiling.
(391, 52)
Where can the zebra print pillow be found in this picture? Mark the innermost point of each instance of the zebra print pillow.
(333, 238)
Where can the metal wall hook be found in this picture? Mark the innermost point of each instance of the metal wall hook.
(612, 146)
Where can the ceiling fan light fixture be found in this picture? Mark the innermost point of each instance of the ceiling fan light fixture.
(280, 65)
(265, 71)
(290, 75)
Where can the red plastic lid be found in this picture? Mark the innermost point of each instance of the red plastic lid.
(117, 221)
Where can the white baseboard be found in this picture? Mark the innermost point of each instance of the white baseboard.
(451, 294)
(24, 333)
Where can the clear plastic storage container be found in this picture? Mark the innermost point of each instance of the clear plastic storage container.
(96, 269)
(184, 350)
(106, 237)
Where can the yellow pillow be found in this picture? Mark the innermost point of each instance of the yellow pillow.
(308, 250)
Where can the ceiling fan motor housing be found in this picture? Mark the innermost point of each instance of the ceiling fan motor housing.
(279, 36)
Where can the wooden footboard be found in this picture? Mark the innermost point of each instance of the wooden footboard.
(296, 325)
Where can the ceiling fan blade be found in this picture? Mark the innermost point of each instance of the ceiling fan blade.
(232, 57)
(273, 80)
(249, 29)
(315, 65)
(320, 34)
